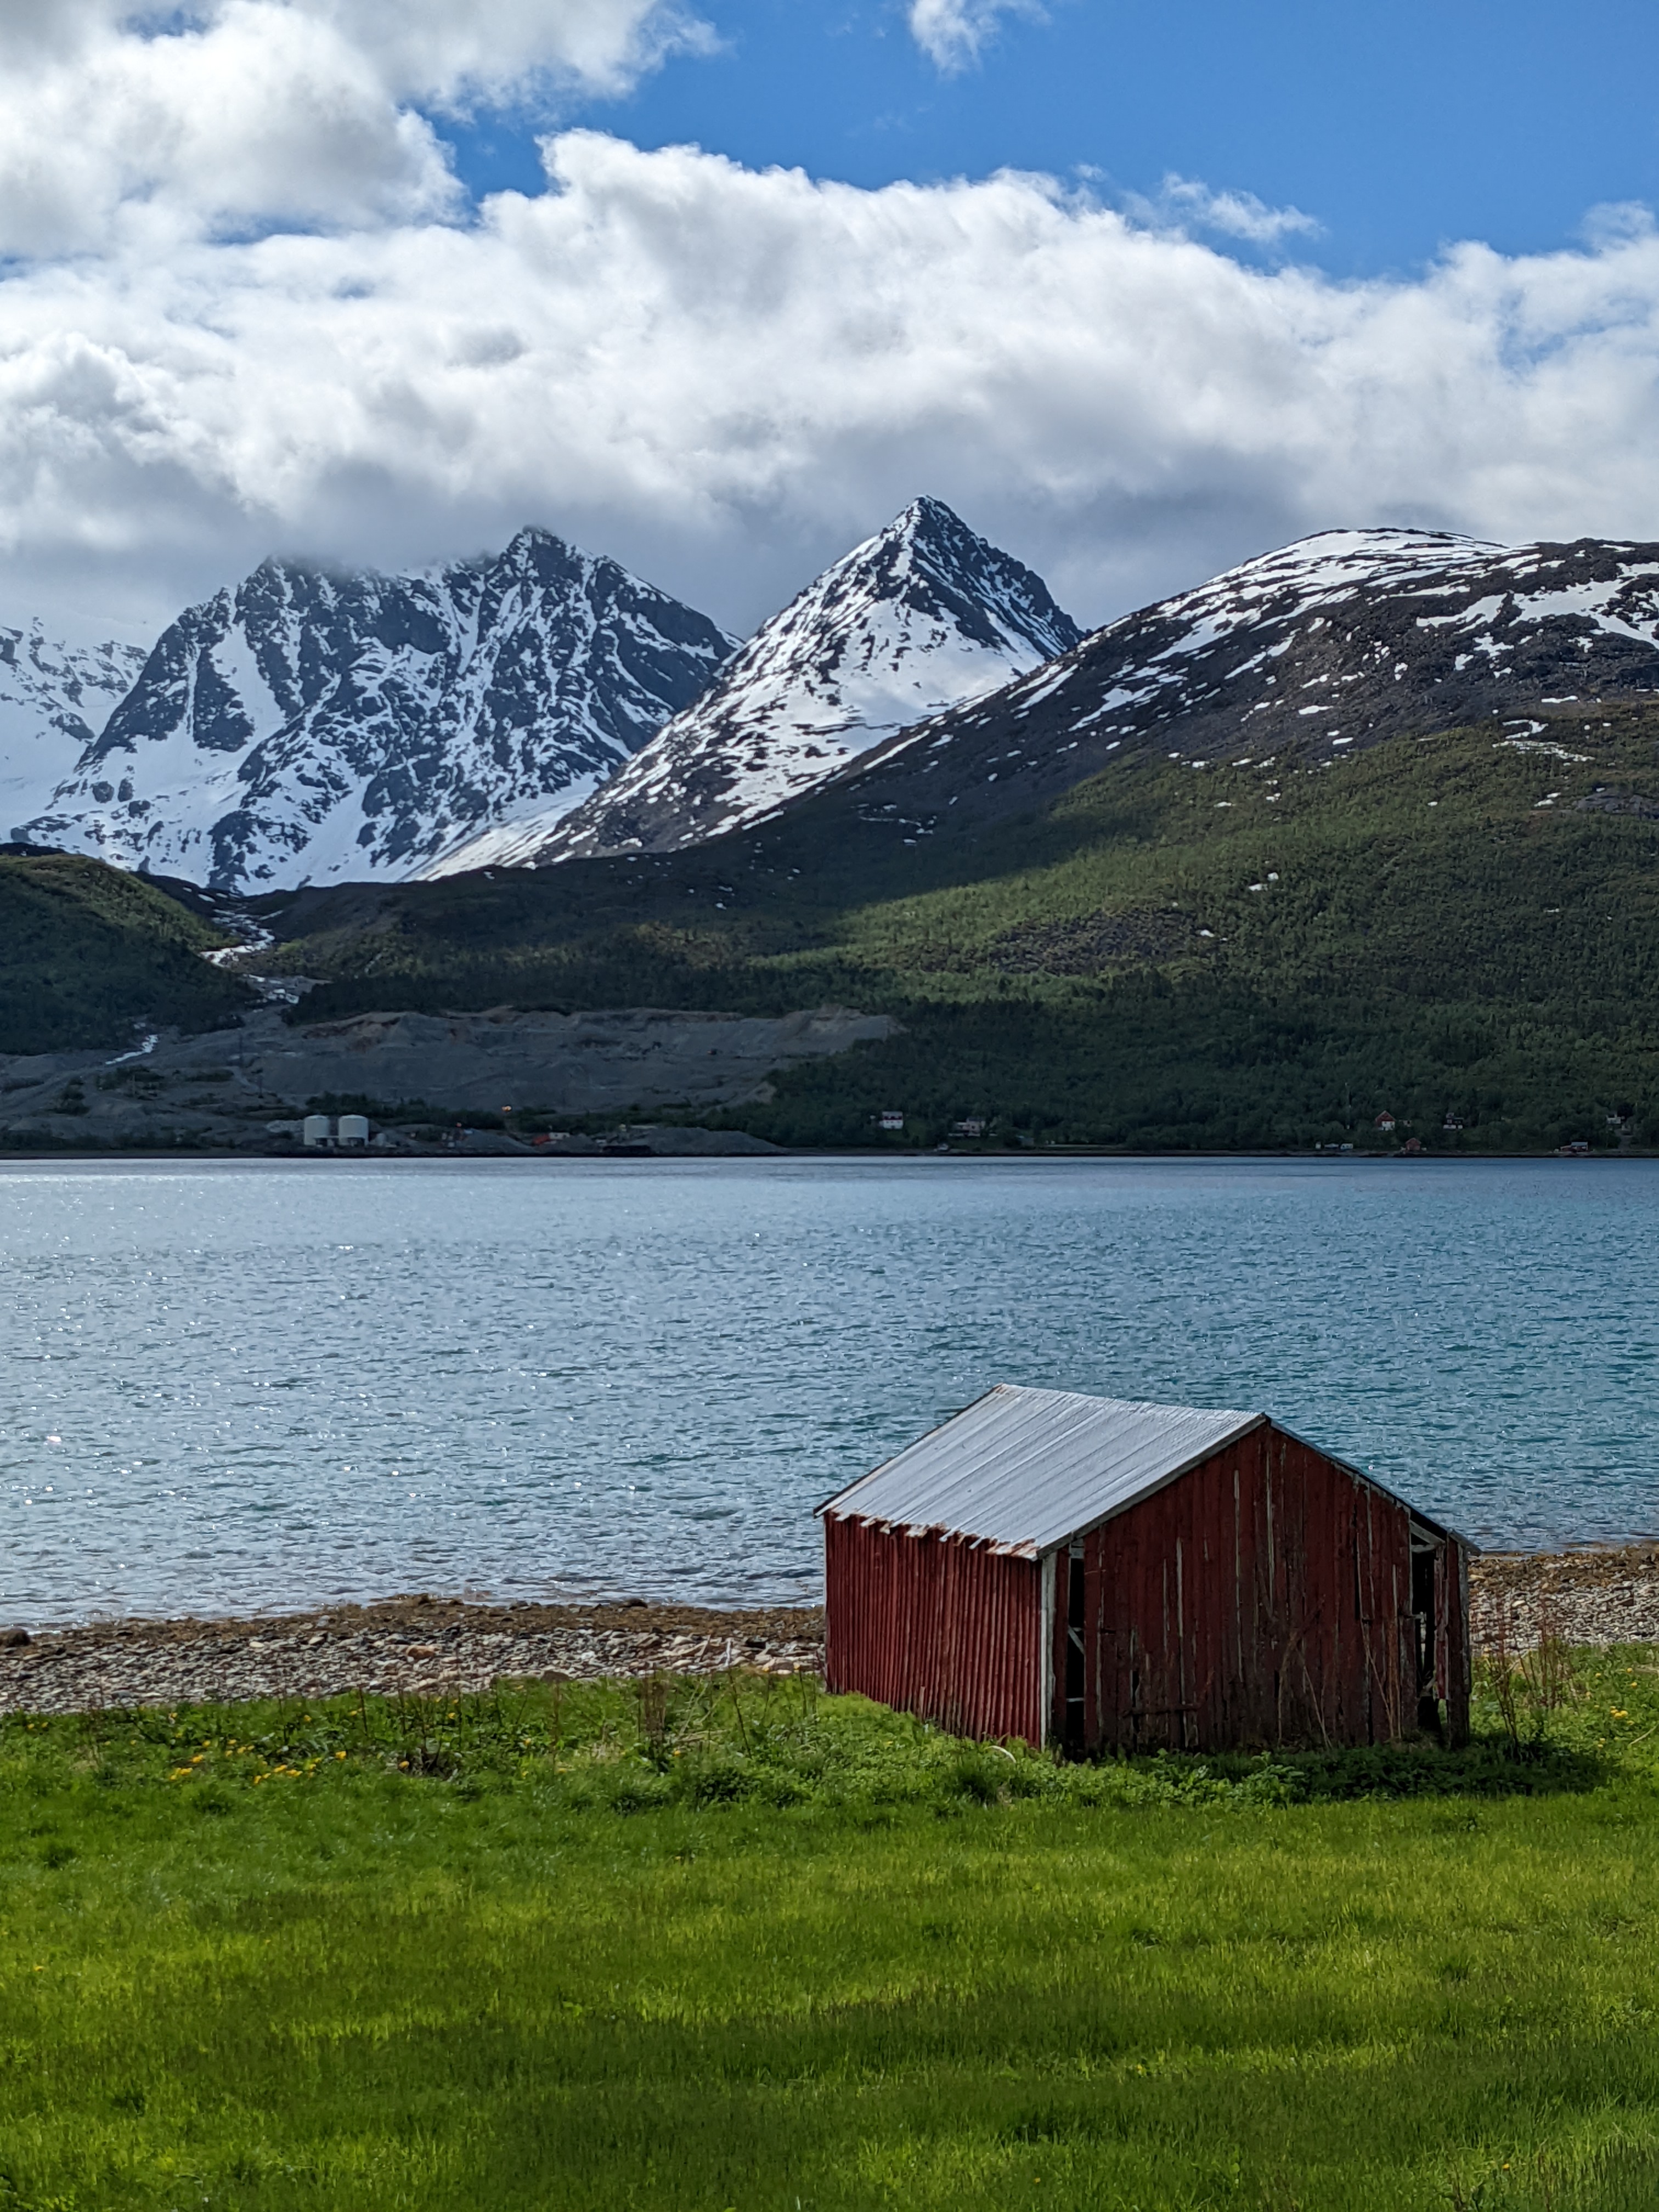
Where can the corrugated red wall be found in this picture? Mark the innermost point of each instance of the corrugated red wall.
(934, 1625)
(1264, 1598)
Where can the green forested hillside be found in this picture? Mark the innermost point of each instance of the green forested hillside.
(1459, 927)
(87, 951)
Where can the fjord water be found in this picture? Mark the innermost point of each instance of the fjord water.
(238, 1385)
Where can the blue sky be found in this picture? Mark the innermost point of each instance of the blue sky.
(1398, 129)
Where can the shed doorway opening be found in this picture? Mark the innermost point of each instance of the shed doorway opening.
(1423, 1556)
(1076, 1667)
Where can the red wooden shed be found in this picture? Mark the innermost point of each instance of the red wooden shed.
(1109, 1574)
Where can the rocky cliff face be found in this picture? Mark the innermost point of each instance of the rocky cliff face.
(311, 727)
(54, 701)
(925, 615)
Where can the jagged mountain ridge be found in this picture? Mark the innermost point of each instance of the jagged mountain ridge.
(55, 700)
(314, 726)
(924, 615)
(1294, 659)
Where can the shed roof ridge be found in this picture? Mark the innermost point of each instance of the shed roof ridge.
(1023, 1467)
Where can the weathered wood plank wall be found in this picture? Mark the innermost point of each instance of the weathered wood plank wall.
(1264, 1598)
(934, 1625)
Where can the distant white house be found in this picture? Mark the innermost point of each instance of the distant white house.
(1385, 1120)
(890, 1118)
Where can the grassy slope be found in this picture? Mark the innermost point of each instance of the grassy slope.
(789, 1950)
(87, 951)
(1427, 937)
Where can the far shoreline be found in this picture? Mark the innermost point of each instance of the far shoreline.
(49, 1156)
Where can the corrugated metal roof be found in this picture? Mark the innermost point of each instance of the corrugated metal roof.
(1024, 1469)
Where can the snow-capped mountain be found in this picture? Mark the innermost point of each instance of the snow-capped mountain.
(314, 727)
(923, 616)
(1296, 658)
(54, 701)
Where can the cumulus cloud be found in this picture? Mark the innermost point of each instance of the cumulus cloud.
(725, 377)
(953, 34)
(249, 113)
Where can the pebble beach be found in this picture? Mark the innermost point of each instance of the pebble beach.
(418, 1646)
(414, 1646)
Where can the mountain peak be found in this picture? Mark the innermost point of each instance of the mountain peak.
(926, 517)
(316, 725)
(922, 616)
(535, 542)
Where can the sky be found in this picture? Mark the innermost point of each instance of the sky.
(717, 287)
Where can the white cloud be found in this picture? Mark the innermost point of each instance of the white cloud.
(725, 377)
(247, 114)
(953, 34)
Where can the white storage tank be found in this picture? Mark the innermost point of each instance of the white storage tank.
(317, 1130)
(354, 1129)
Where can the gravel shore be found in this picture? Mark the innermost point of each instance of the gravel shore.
(1608, 1596)
(422, 1646)
(414, 1645)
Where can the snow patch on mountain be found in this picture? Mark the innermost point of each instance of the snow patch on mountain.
(55, 700)
(314, 727)
(1270, 600)
(1302, 657)
(923, 616)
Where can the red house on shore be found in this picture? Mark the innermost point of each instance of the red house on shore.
(1109, 1575)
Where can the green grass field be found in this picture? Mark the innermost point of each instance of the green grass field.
(740, 1945)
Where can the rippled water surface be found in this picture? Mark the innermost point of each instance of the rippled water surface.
(224, 1386)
